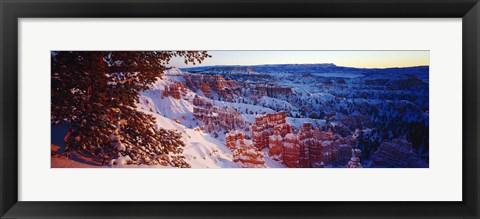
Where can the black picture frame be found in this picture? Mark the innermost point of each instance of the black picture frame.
(12, 10)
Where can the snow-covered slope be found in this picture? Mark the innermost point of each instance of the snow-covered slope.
(202, 150)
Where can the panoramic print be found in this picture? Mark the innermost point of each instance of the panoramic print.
(239, 109)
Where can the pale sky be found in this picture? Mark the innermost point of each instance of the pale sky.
(360, 59)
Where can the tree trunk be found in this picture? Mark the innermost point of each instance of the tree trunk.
(67, 145)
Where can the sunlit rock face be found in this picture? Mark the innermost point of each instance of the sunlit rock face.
(397, 153)
(210, 84)
(307, 148)
(272, 90)
(233, 138)
(291, 150)
(216, 118)
(314, 148)
(175, 90)
(244, 153)
(189, 83)
(306, 141)
(205, 88)
(321, 150)
(266, 125)
(275, 146)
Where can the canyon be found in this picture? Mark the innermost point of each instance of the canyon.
(265, 117)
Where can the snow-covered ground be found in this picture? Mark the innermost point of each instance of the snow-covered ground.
(202, 150)
(243, 107)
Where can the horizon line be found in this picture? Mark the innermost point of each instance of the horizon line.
(325, 63)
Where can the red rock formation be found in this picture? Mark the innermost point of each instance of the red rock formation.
(216, 118)
(175, 93)
(321, 152)
(219, 82)
(324, 136)
(226, 89)
(306, 141)
(189, 83)
(315, 148)
(291, 150)
(175, 90)
(233, 138)
(244, 153)
(205, 88)
(222, 87)
(271, 90)
(166, 92)
(303, 159)
(266, 125)
(216, 83)
(275, 146)
(201, 102)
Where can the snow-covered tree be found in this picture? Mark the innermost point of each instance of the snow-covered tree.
(96, 92)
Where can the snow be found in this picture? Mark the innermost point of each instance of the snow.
(339, 75)
(275, 137)
(119, 146)
(290, 136)
(242, 107)
(233, 133)
(167, 106)
(121, 161)
(298, 122)
(202, 150)
(174, 71)
(326, 143)
(274, 103)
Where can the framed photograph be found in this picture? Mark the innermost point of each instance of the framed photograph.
(169, 109)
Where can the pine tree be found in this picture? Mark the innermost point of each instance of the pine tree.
(96, 93)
